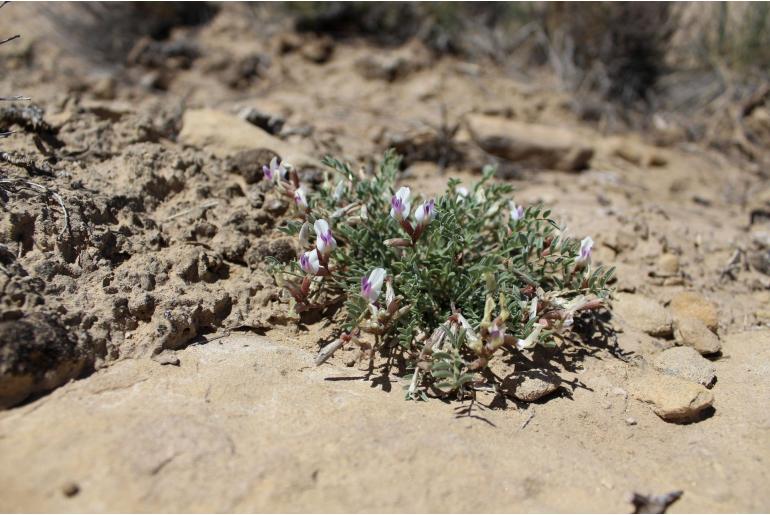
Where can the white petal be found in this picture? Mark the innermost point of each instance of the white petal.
(419, 213)
(321, 226)
(376, 278)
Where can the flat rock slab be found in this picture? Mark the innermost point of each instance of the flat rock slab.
(644, 314)
(686, 363)
(672, 399)
(694, 305)
(694, 333)
(533, 145)
(225, 135)
(248, 424)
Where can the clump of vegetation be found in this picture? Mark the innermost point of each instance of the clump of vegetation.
(449, 284)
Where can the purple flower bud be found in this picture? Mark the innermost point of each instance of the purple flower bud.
(300, 198)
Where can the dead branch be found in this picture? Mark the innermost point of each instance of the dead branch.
(202, 207)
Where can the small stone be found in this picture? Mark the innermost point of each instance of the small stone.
(104, 88)
(276, 207)
(319, 50)
(760, 261)
(693, 305)
(70, 489)
(167, 358)
(531, 385)
(668, 265)
(694, 333)
(671, 398)
(643, 314)
(631, 421)
(620, 392)
(687, 363)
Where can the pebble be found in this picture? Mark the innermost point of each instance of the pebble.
(167, 358)
(693, 305)
(531, 385)
(694, 333)
(644, 314)
(631, 421)
(671, 398)
(70, 489)
(687, 363)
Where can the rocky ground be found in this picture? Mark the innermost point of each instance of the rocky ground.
(134, 233)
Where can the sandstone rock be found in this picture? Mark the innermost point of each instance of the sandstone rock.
(668, 265)
(36, 355)
(694, 333)
(167, 357)
(531, 385)
(644, 314)
(537, 146)
(248, 163)
(694, 305)
(224, 135)
(671, 398)
(687, 363)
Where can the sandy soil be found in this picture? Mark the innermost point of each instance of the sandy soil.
(164, 248)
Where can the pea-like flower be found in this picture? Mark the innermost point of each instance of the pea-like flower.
(372, 285)
(530, 340)
(300, 198)
(586, 247)
(462, 193)
(517, 212)
(424, 213)
(496, 336)
(325, 242)
(401, 204)
(275, 171)
(308, 262)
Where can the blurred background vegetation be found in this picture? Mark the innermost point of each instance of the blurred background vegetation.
(700, 68)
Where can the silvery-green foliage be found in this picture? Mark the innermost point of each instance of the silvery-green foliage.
(469, 278)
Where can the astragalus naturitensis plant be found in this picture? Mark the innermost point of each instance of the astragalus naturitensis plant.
(450, 283)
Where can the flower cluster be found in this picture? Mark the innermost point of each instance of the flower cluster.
(452, 281)
(283, 177)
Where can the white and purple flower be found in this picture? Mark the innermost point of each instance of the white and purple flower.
(496, 335)
(462, 193)
(325, 242)
(300, 198)
(586, 247)
(530, 340)
(517, 212)
(372, 286)
(309, 262)
(424, 213)
(401, 204)
(275, 171)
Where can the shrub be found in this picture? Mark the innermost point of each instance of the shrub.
(449, 283)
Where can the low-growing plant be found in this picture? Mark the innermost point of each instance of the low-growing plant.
(449, 283)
